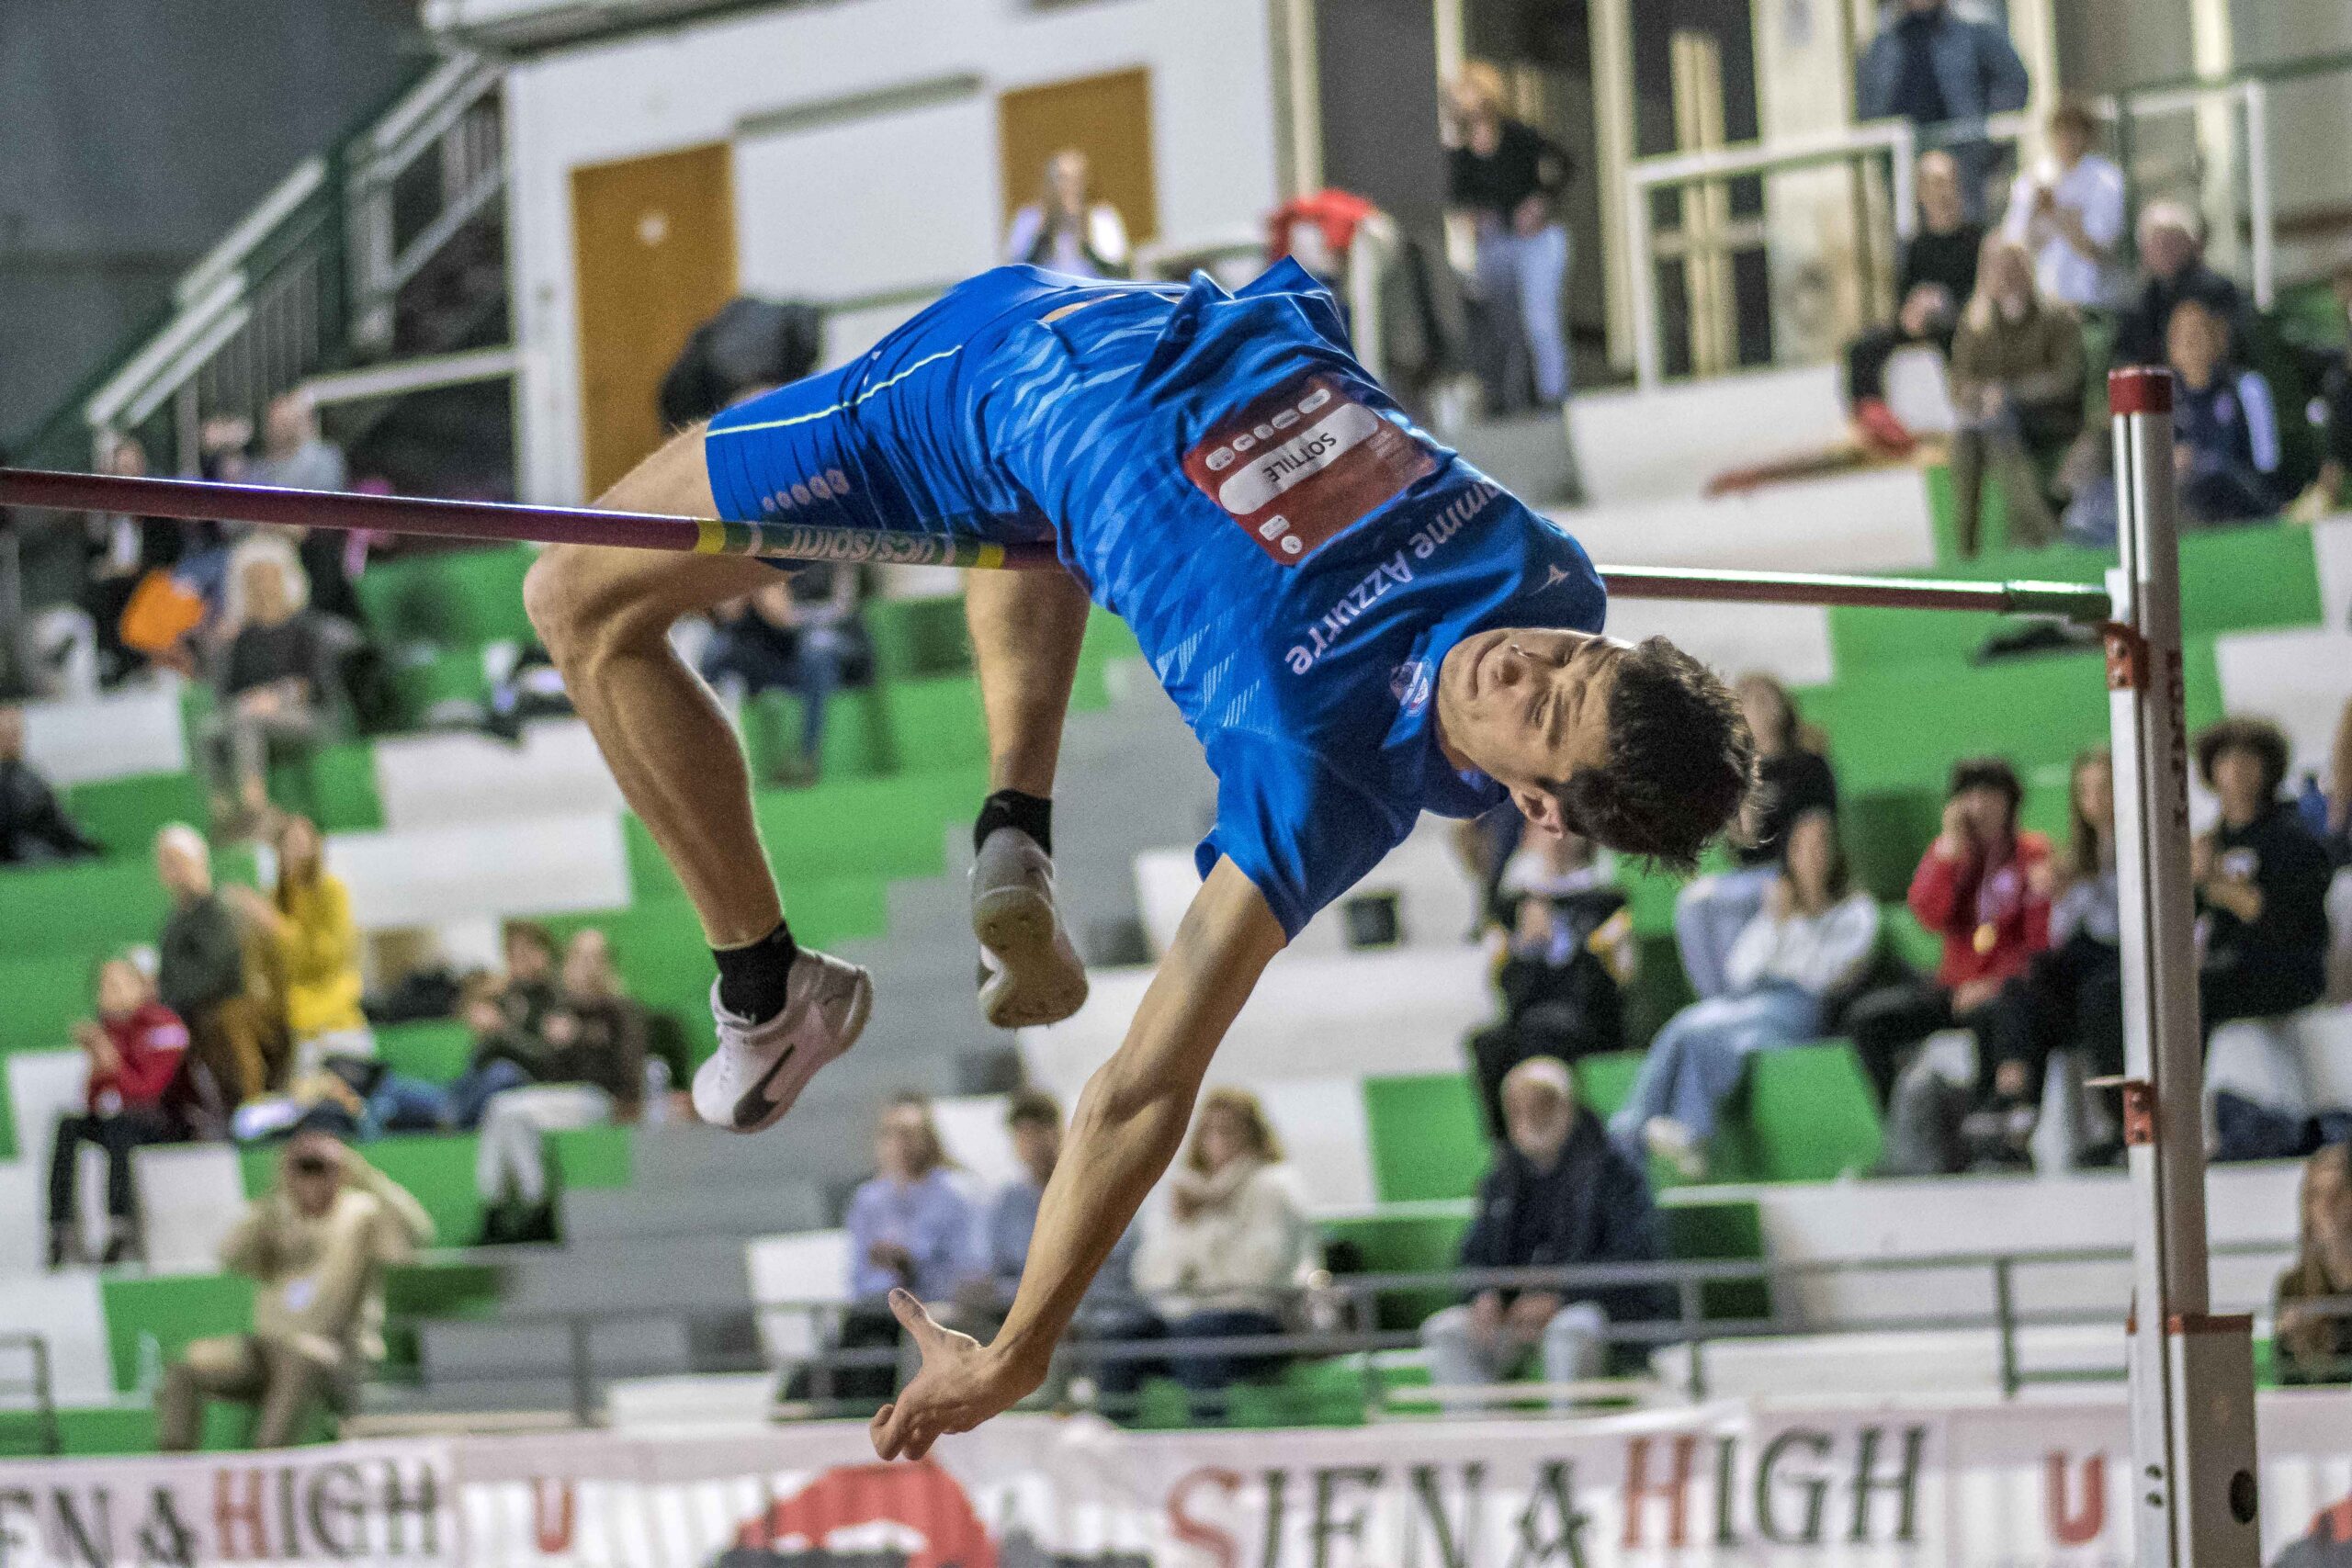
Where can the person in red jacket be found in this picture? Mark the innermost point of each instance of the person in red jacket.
(1985, 887)
(134, 1047)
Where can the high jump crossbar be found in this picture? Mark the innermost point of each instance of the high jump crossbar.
(775, 540)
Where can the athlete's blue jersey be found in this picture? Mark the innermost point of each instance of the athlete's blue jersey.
(1294, 557)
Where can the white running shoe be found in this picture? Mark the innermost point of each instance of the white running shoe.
(1030, 974)
(760, 1069)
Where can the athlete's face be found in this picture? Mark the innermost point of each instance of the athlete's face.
(1527, 706)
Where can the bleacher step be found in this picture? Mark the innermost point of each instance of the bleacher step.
(739, 1209)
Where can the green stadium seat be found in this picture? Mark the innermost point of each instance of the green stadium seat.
(124, 814)
(1427, 1137)
(436, 1049)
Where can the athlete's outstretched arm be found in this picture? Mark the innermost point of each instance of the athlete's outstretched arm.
(1130, 1123)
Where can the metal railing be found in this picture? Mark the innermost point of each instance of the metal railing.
(34, 1393)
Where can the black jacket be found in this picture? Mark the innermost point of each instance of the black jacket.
(2282, 858)
(2140, 329)
(33, 826)
(1592, 1206)
(201, 958)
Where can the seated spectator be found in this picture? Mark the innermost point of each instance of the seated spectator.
(33, 826)
(608, 1049)
(274, 679)
(805, 634)
(2172, 263)
(2331, 412)
(1558, 1194)
(1792, 778)
(532, 987)
(2312, 1323)
(2017, 384)
(2224, 425)
(2070, 996)
(1935, 275)
(200, 969)
(122, 550)
(1810, 943)
(134, 1050)
(2261, 882)
(2069, 213)
(1233, 1248)
(316, 1246)
(910, 1228)
(308, 915)
(294, 456)
(1066, 230)
(1110, 1311)
(505, 1056)
(1982, 887)
(2334, 829)
(1568, 951)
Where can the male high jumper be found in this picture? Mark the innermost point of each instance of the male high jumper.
(1357, 624)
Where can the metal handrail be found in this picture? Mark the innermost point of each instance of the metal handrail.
(39, 1384)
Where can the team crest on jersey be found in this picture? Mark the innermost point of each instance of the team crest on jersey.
(1409, 684)
(1300, 466)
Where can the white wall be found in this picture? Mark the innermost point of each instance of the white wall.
(848, 207)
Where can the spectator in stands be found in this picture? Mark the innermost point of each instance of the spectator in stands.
(505, 1056)
(33, 825)
(316, 1246)
(610, 1044)
(200, 967)
(2261, 882)
(1559, 1194)
(1568, 952)
(2172, 263)
(1809, 943)
(1066, 230)
(532, 987)
(308, 915)
(2335, 837)
(2331, 412)
(1792, 778)
(2224, 424)
(805, 634)
(1508, 178)
(1983, 887)
(1935, 277)
(1111, 1311)
(910, 1228)
(1233, 1248)
(2312, 1319)
(1934, 67)
(2069, 212)
(294, 455)
(2017, 384)
(122, 550)
(134, 1048)
(273, 684)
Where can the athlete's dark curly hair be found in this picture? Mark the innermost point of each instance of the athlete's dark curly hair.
(1681, 761)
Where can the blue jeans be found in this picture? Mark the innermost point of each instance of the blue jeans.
(1695, 1062)
(408, 1105)
(1207, 1374)
(470, 1091)
(1526, 273)
(1709, 915)
(812, 671)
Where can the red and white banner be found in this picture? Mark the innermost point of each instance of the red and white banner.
(1906, 1485)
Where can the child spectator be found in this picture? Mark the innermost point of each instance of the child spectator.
(2069, 213)
(1811, 940)
(2313, 1321)
(2225, 427)
(2017, 384)
(910, 1228)
(33, 826)
(1568, 951)
(308, 914)
(134, 1050)
(1792, 778)
(2261, 882)
(1558, 1194)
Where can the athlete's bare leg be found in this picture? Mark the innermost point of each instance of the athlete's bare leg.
(606, 617)
(1026, 627)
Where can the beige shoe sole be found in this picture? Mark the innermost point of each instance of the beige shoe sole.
(1036, 976)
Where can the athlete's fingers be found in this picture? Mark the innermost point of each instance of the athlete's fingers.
(879, 1430)
(916, 1319)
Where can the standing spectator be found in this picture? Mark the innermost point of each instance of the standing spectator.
(2331, 412)
(2172, 261)
(2261, 882)
(910, 1228)
(316, 1246)
(1066, 230)
(2224, 425)
(33, 826)
(805, 634)
(2312, 1320)
(2069, 213)
(1944, 73)
(1557, 1195)
(134, 1050)
(1234, 1245)
(308, 917)
(1935, 277)
(274, 679)
(200, 967)
(294, 456)
(1792, 778)
(1811, 942)
(1568, 952)
(1983, 887)
(1508, 178)
(2017, 383)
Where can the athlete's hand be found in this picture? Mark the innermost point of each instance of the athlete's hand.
(961, 1385)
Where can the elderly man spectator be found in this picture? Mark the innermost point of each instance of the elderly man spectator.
(2172, 262)
(316, 1245)
(2262, 880)
(1934, 67)
(1934, 279)
(1558, 1194)
(2224, 423)
(274, 681)
(2069, 212)
(33, 826)
(134, 1048)
(200, 967)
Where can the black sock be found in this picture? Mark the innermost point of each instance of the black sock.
(1033, 813)
(751, 978)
